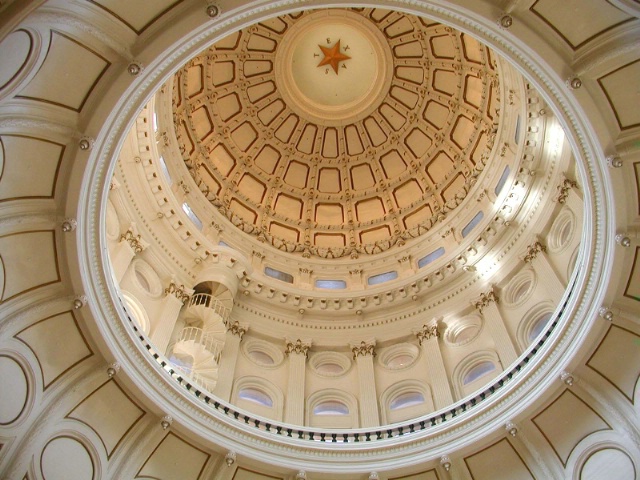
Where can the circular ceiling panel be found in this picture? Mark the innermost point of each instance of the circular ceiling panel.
(333, 67)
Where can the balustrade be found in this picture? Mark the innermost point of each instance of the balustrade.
(207, 341)
(209, 301)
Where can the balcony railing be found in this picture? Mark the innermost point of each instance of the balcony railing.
(201, 380)
(348, 436)
(209, 301)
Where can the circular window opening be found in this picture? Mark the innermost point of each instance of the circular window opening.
(330, 368)
(400, 361)
(261, 357)
(146, 278)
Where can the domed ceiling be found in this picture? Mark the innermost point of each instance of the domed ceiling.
(338, 132)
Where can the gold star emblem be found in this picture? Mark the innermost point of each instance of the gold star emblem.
(333, 56)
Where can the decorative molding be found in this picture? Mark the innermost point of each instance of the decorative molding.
(533, 250)
(230, 458)
(614, 161)
(236, 329)
(427, 332)
(178, 291)
(486, 299)
(563, 190)
(134, 68)
(113, 369)
(69, 225)
(135, 240)
(86, 143)
(212, 10)
(605, 313)
(505, 21)
(567, 378)
(623, 240)
(298, 347)
(574, 82)
(511, 428)
(166, 421)
(364, 349)
(80, 301)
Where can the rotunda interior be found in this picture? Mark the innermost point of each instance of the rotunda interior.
(249, 241)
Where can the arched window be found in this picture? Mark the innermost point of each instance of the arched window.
(331, 407)
(406, 400)
(539, 325)
(256, 396)
(478, 371)
(475, 371)
(533, 323)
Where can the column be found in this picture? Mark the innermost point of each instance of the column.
(487, 305)
(567, 189)
(228, 360)
(175, 297)
(363, 354)
(537, 257)
(431, 359)
(122, 254)
(294, 403)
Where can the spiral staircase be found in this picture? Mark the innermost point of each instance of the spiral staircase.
(197, 349)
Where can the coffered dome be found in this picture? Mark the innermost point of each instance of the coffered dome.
(345, 158)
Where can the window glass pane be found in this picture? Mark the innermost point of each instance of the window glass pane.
(331, 407)
(382, 277)
(405, 400)
(331, 284)
(472, 224)
(432, 257)
(278, 275)
(192, 216)
(503, 180)
(478, 371)
(165, 170)
(256, 396)
(539, 326)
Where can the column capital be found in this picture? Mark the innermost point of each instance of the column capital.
(563, 190)
(363, 349)
(134, 239)
(486, 299)
(237, 329)
(427, 331)
(299, 347)
(178, 291)
(533, 250)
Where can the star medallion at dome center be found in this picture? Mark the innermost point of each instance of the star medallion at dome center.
(333, 56)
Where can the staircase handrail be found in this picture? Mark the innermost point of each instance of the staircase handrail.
(207, 340)
(209, 301)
